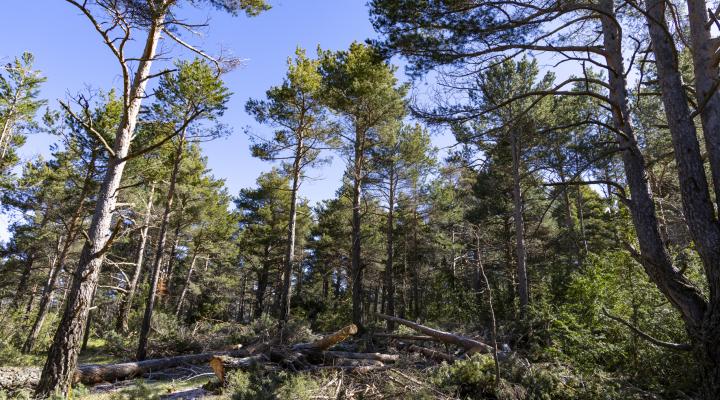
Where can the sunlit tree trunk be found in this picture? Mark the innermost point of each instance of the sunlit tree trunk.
(62, 355)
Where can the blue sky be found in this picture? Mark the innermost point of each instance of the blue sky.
(70, 54)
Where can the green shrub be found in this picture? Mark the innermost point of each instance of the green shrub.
(473, 377)
(140, 390)
(240, 387)
(298, 387)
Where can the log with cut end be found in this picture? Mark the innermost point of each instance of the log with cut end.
(328, 341)
(12, 379)
(470, 345)
(432, 354)
(221, 365)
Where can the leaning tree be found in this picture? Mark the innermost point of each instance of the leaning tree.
(118, 22)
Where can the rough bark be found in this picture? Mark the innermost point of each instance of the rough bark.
(127, 300)
(62, 355)
(469, 345)
(162, 238)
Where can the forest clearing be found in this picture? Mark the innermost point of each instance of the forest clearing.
(425, 199)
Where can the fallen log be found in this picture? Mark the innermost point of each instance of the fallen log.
(346, 362)
(432, 354)
(352, 369)
(13, 378)
(469, 345)
(419, 338)
(362, 356)
(221, 365)
(328, 341)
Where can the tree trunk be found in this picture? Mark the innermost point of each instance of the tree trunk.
(185, 286)
(520, 251)
(73, 229)
(706, 92)
(43, 305)
(356, 262)
(162, 237)
(22, 286)
(88, 325)
(62, 355)
(121, 325)
(390, 253)
(654, 257)
(702, 319)
(290, 250)
(263, 275)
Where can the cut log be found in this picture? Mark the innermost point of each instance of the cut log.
(221, 365)
(419, 338)
(352, 369)
(432, 354)
(12, 378)
(328, 341)
(362, 356)
(469, 345)
(346, 362)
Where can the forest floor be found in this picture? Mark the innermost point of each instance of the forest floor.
(403, 364)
